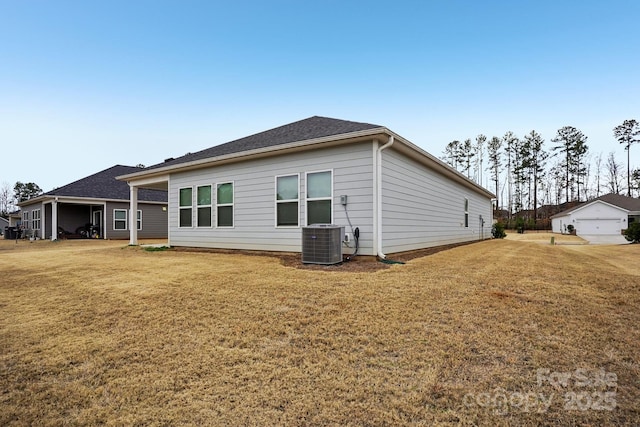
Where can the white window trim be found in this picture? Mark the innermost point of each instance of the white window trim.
(275, 207)
(186, 207)
(126, 219)
(139, 221)
(25, 219)
(466, 213)
(35, 219)
(232, 204)
(210, 205)
(307, 199)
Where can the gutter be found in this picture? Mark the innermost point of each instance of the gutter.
(378, 184)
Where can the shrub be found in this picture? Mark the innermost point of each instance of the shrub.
(632, 233)
(520, 225)
(497, 231)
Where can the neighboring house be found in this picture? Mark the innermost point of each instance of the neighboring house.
(607, 215)
(99, 200)
(258, 192)
(3, 223)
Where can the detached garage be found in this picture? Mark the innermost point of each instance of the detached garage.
(607, 215)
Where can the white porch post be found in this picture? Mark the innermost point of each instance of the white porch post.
(54, 220)
(133, 216)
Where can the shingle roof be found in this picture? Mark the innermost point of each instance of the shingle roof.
(624, 202)
(303, 130)
(103, 185)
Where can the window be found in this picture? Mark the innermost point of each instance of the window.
(319, 198)
(204, 206)
(287, 201)
(25, 219)
(186, 202)
(224, 203)
(466, 213)
(139, 220)
(119, 219)
(35, 223)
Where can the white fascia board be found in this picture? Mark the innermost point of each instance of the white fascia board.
(96, 201)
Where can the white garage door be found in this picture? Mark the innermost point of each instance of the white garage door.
(598, 226)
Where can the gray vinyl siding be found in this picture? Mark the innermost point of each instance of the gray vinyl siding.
(154, 221)
(422, 208)
(255, 205)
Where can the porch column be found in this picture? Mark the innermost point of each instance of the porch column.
(54, 220)
(133, 216)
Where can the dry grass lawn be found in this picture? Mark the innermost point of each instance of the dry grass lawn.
(502, 332)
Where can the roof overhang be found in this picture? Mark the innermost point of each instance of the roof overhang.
(158, 178)
(78, 200)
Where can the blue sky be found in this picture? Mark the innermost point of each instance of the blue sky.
(85, 85)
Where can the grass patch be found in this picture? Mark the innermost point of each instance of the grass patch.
(92, 334)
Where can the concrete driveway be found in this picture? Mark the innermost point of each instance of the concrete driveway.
(605, 239)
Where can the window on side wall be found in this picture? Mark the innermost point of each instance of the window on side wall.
(319, 197)
(25, 219)
(35, 220)
(224, 204)
(185, 207)
(287, 201)
(466, 213)
(203, 197)
(139, 220)
(119, 219)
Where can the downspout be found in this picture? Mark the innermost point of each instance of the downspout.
(378, 212)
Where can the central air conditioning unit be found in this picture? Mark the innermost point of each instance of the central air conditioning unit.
(322, 244)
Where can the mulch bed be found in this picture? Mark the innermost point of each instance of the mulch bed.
(358, 264)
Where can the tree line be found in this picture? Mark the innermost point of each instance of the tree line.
(21, 192)
(525, 173)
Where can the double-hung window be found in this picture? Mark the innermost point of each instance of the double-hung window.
(466, 213)
(139, 220)
(186, 207)
(119, 219)
(319, 197)
(25, 219)
(224, 204)
(204, 205)
(287, 201)
(35, 220)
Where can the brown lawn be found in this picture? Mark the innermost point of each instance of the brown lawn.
(501, 332)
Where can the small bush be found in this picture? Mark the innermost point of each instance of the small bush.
(497, 231)
(632, 233)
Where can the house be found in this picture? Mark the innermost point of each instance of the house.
(99, 202)
(257, 192)
(3, 223)
(607, 215)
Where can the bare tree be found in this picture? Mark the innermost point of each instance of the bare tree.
(6, 199)
(628, 133)
(614, 170)
(598, 165)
